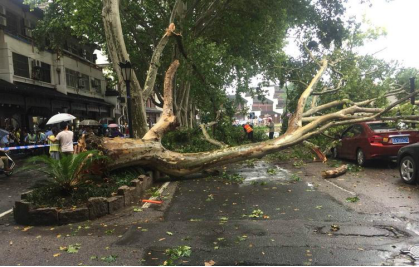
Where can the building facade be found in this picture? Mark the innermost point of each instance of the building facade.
(34, 84)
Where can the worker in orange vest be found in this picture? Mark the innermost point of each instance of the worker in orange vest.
(249, 130)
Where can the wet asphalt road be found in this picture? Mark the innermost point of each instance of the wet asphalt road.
(12, 186)
(212, 217)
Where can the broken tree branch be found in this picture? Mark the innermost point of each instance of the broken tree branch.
(167, 118)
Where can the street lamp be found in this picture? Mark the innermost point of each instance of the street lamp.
(126, 69)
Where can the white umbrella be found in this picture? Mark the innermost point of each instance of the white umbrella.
(60, 117)
(3, 133)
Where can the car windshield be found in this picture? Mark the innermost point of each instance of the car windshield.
(381, 126)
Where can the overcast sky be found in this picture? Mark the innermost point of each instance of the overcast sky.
(400, 19)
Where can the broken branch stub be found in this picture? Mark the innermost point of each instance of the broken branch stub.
(335, 172)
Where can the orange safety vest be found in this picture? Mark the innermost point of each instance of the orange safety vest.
(248, 128)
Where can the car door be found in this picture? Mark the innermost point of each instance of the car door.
(355, 141)
(343, 149)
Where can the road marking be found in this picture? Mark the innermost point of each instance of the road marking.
(161, 189)
(343, 189)
(5, 213)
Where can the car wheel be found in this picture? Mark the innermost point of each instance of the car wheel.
(360, 157)
(334, 153)
(408, 170)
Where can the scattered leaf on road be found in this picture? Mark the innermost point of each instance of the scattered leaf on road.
(169, 233)
(56, 255)
(27, 228)
(352, 199)
(109, 259)
(73, 248)
(334, 227)
(209, 263)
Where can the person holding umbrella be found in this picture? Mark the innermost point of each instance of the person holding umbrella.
(65, 138)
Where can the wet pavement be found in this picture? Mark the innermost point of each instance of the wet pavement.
(295, 228)
(279, 215)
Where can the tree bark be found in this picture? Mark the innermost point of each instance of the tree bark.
(118, 53)
(335, 172)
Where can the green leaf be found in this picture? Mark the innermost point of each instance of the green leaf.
(169, 233)
(73, 248)
(109, 259)
(352, 199)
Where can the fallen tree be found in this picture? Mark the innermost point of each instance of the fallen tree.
(149, 152)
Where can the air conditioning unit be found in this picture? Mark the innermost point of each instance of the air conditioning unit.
(95, 83)
(36, 73)
(28, 24)
(81, 83)
(36, 63)
(2, 11)
(28, 32)
(3, 21)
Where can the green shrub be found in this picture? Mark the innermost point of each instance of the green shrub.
(69, 171)
(46, 194)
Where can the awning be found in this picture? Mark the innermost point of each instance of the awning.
(88, 100)
(28, 90)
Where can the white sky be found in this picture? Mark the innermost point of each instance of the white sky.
(399, 18)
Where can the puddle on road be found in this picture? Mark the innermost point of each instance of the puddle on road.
(259, 173)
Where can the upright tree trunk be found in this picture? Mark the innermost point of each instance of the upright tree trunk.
(118, 53)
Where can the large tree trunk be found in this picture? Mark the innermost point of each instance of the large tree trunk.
(118, 53)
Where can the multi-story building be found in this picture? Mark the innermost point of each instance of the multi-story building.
(35, 85)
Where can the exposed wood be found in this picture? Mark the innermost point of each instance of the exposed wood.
(335, 172)
(167, 119)
(316, 150)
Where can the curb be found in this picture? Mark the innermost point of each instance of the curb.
(24, 213)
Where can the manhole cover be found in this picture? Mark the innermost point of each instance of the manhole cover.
(413, 251)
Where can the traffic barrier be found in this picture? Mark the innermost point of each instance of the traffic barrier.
(24, 147)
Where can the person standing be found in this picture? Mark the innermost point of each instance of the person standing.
(249, 130)
(65, 137)
(54, 146)
(5, 141)
(31, 138)
(271, 127)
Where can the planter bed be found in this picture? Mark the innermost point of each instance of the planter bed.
(26, 213)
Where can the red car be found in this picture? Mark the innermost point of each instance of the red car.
(373, 140)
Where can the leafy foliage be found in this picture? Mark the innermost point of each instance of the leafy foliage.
(177, 253)
(47, 194)
(70, 171)
(352, 199)
(232, 177)
(258, 213)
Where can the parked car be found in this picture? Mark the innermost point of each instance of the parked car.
(408, 160)
(373, 140)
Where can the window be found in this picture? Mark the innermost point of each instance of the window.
(97, 85)
(86, 82)
(376, 127)
(72, 78)
(13, 22)
(21, 65)
(45, 72)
